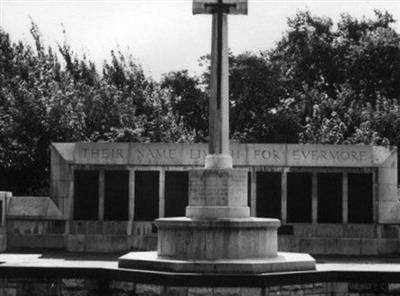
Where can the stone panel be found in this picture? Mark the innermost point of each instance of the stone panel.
(27, 241)
(388, 246)
(330, 246)
(61, 172)
(218, 188)
(65, 150)
(194, 291)
(389, 212)
(148, 290)
(369, 246)
(288, 244)
(106, 243)
(76, 243)
(387, 176)
(359, 230)
(351, 246)
(304, 230)
(242, 154)
(387, 192)
(250, 291)
(329, 230)
(226, 291)
(176, 291)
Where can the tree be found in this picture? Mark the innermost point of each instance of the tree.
(189, 102)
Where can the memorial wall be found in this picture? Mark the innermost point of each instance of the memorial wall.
(131, 184)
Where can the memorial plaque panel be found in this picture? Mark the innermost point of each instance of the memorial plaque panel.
(116, 195)
(146, 195)
(176, 193)
(86, 194)
(360, 198)
(330, 208)
(299, 197)
(218, 188)
(160, 154)
(268, 195)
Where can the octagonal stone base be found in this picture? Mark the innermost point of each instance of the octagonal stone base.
(212, 239)
(280, 263)
(228, 245)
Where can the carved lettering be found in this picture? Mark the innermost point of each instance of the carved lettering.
(95, 153)
(296, 155)
(84, 151)
(235, 154)
(276, 155)
(323, 155)
(102, 154)
(120, 153)
(330, 155)
(363, 155)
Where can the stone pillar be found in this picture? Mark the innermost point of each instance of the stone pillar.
(284, 196)
(314, 201)
(161, 194)
(253, 191)
(131, 212)
(345, 198)
(101, 195)
(218, 147)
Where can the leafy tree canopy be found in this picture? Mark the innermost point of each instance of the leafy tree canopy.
(322, 83)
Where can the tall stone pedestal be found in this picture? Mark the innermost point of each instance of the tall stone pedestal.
(217, 235)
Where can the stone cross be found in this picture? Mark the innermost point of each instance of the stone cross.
(218, 148)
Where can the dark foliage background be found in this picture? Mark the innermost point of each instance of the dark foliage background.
(320, 84)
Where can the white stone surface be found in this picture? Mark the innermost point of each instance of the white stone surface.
(389, 212)
(224, 187)
(160, 154)
(216, 212)
(33, 207)
(194, 239)
(281, 262)
(218, 161)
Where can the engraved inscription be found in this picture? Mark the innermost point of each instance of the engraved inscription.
(267, 154)
(218, 189)
(149, 155)
(315, 155)
(198, 153)
(318, 155)
(102, 154)
(242, 154)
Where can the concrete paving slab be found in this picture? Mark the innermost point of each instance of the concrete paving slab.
(110, 261)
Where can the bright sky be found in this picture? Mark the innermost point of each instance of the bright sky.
(163, 35)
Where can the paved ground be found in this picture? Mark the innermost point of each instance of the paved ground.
(354, 263)
(58, 259)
